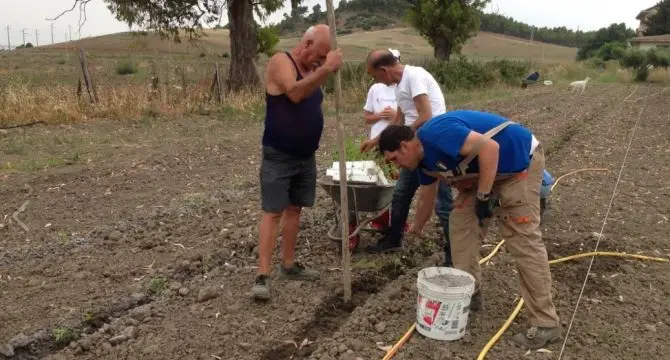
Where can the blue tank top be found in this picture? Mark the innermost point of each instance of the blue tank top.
(294, 129)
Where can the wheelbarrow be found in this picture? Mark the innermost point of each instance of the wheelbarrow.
(362, 198)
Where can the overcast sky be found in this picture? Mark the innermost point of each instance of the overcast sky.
(31, 15)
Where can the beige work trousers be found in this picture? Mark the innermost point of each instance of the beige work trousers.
(519, 214)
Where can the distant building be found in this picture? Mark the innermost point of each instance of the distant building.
(644, 15)
(651, 42)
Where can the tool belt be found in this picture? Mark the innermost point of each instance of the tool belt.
(450, 177)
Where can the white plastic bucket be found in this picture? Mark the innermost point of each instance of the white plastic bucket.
(442, 311)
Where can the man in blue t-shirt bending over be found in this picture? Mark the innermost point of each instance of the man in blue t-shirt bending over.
(491, 162)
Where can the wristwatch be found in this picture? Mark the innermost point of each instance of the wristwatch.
(483, 196)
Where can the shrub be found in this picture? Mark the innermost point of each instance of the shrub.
(126, 67)
(611, 51)
(268, 38)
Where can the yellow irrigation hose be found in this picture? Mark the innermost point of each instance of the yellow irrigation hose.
(516, 311)
(574, 172)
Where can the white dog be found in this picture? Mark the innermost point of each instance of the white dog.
(581, 84)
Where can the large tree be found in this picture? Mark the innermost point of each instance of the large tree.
(659, 23)
(170, 18)
(447, 24)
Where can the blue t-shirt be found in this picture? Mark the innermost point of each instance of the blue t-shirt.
(443, 137)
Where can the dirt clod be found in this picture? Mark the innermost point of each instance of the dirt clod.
(380, 327)
(115, 235)
(20, 340)
(7, 350)
(183, 291)
(245, 345)
(207, 293)
(355, 344)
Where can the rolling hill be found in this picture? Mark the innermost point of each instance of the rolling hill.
(355, 46)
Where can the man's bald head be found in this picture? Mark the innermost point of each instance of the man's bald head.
(314, 46)
(379, 58)
(319, 33)
(384, 66)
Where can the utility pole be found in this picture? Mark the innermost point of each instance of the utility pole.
(69, 29)
(37, 37)
(52, 33)
(24, 36)
(9, 42)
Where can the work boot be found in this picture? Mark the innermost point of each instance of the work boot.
(537, 337)
(261, 288)
(476, 301)
(385, 244)
(298, 272)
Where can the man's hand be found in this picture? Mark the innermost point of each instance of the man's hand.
(389, 113)
(333, 60)
(370, 144)
(483, 207)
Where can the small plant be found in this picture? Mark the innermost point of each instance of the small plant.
(352, 152)
(63, 335)
(126, 67)
(156, 286)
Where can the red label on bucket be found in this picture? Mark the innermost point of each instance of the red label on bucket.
(429, 310)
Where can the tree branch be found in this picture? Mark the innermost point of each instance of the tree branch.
(82, 12)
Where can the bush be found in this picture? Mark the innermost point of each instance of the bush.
(268, 38)
(459, 73)
(611, 51)
(126, 67)
(639, 62)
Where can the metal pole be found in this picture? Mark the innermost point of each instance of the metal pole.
(344, 208)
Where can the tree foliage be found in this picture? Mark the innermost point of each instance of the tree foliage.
(641, 61)
(446, 24)
(268, 38)
(615, 33)
(501, 24)
(659, 23)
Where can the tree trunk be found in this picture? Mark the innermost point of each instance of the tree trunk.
(442, 48)
(242, 73)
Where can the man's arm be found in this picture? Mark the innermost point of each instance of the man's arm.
(423, 108)
(280, 69)
(371, 118)
(424, 206)
(400, 117)
(487, 159)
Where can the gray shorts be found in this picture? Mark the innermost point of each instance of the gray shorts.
(286, 180)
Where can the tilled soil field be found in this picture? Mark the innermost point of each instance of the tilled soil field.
(147, 249)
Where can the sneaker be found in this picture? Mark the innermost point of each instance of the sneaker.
(298, 272)
(261, 288)
(476, 301)
(537, 337)
(383, 245)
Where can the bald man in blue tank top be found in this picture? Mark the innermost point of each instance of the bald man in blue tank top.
(293, 127)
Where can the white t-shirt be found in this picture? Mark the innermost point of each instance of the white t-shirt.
(416, 81)
(379, 97)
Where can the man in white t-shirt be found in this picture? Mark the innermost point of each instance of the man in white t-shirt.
(419, 98)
